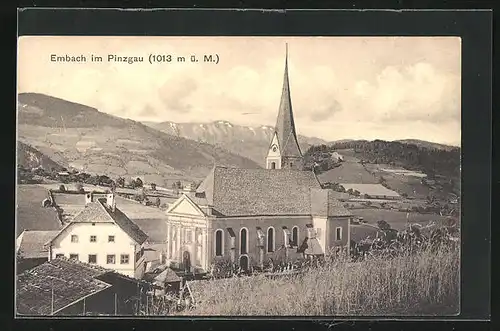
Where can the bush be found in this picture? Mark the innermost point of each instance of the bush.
(62, 188)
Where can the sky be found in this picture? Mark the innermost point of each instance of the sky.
(341, 87)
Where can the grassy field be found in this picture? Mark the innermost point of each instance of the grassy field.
(423, 284)
(397, 219)
(30, 213)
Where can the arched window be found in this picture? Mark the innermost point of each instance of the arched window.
(295, 236)
(219, 242)
(270, 240)
(338, 233)
(273, 165)
(243, 241)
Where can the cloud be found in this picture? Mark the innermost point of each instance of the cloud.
(175, 93)
(383, 87)
(326, 111)
(148, 111)
(419, 92)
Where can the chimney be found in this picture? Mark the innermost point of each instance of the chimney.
(110, 201)
(88, 198)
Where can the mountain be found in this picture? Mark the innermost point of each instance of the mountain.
(81, 137)
(29, 157)
(427, 144)
(250, 142)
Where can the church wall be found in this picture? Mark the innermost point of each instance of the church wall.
(251, 223)
(333, 223)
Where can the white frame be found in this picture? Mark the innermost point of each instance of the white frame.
(267, 240)
(298, 233)
(246, 241)
(341, 234)
(215, 243)
(248, 260)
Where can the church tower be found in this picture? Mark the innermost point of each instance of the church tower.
(284, 151)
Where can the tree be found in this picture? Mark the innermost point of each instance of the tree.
(120, 181)
(158, 202)
(62, 188)
(383, 225)
(79, 187)
(138, 182)
(153, 186)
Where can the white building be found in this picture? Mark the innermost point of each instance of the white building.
(101, 234)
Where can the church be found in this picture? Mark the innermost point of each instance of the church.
(248, 216)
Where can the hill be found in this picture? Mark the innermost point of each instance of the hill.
(430, 161)
(427, 144)
(250, 142)
(81, 137)
(29, 157)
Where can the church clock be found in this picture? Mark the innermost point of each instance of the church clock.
(274, 148)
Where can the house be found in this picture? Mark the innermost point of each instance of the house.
(102, 234)
(166, 279)
(30, 248)
(250, 216)
(71, 288)
(335, 156)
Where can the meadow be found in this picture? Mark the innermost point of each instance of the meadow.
(426, 283)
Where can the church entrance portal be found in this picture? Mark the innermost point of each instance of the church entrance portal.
(186, 261)
(244, 262)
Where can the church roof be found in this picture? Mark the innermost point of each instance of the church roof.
(258, 192)
(285, 125)
(324, 202)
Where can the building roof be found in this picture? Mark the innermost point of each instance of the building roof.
(324, 203)
(285, 125)
(258, 192)
(99, 212)
(167, 276)
(371, 189)
(30, 243)
(55, 285)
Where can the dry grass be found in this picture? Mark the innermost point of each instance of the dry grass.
(421, 284)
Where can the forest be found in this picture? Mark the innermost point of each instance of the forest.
(433, 162)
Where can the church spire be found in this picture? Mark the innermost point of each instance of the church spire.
(284, 151)
(285, 124)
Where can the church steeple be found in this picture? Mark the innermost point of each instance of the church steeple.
(285, 151)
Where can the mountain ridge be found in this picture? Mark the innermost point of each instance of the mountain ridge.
(86, 139)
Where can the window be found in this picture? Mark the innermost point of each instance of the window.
(110, 259)
(295, 236)
(92, 258)
(124, 258)
(93, 239)
(243, 241)
(291, 164)
(73, 256)
(273, 165)
(338, 233)
(74, 238)
(270, 240)
(58, 256)
(219, 242)
(111, 239)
